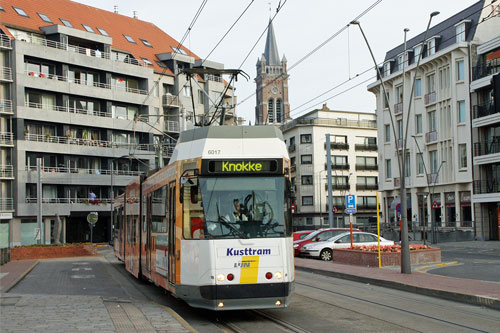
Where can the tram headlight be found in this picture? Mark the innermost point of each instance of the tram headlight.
(221, 277)
(278, 275)
(277, 303)
(220, 305)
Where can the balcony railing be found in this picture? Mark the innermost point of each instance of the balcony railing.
(86, 171)
(80, 50)
(487, 147)
(172, 126)
(430, 98)
(366, 187)
(168, 150)
(293, 168)
(68, 109)
(432, 178)
(483, 110)
(338, 145)
(6, 106)
(5, 41)
(431, 136)
(398, 108)
(6, 204)
(85, 82)
(6, 138)
(366, 146)
(291, 148)
(86, 201)
(486, 186)
(170, 100)
(481, 71)
(330, 122)
(338, 186)
(6, 171)
(83, 142)
(5, 73)
(212, 77)
(360, 167)
(338, 166)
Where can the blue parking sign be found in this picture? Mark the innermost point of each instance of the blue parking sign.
(350, 200)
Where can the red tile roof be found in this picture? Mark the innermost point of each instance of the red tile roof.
(115, 25)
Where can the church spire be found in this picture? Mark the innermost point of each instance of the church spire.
(271, 51)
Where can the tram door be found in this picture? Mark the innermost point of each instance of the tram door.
(148, 232)
(171, 232)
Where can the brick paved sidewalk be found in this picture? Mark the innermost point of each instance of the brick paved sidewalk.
(462, 290)
(13, 271)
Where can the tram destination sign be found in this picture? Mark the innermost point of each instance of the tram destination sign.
(248, 166)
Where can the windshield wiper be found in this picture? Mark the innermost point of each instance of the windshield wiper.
(228, 225)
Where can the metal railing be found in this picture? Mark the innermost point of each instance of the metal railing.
(87, 201)
(170, 100)
(430, 98)
(291, 148)
(338, 166)
(5, 73)
(487, 147)
(6, 171)
(85, 82)
(400, 143)
(330, 122)
(366, 167)
(398, 108)
(366, 206)
(6, 204)
(68, 109)
(486, 186)
(6, 106)
(338, 145)
(81, 50)
(366, 146)
(481, 71)
(212, 77)
(86, 171)
(172, 126)
(5, 41)
(431, 136)
(367, 187)
(338, 186)
(483, 110)
(168, 150)
(6, 138)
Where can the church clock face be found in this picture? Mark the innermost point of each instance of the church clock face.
(274, 90)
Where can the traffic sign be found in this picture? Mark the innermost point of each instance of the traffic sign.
(435, 205)
(350, 210)
(398, 207)
(350, 201)
(92, 218)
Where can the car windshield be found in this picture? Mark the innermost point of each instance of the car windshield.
(244, 207)
(312, 234)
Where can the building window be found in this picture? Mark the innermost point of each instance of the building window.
(307, 201)
(399, 126)
(399, 94)
(88, 28)
(460, 70)
(270, 110)
(178, 50)
(418, 87)
(418, 124)
(387, 99)
(103, 32)
(387, 69)
(417, 53)
(278, 111)
(460, 32)
(461, 111)
(129, 39)
(462, 151)
(431, 84)
(432, 121)
(387, 128)
(146, 61)
(431, 46)
(20, 11)
(305, 138)
(306, 159)
(307, 180)
(66, 23)
(186, 91)
(388, 169)
(45, 18)
(145, 42)
(292, 161)
(339, 160)
(444, 77)
(366, 161)
(400, 62)
(407, 165)
(200, 97)
(420, 164)
(367, 182)
(433, 160)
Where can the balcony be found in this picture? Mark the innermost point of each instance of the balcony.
(338, 186)
(291, 148)
(168, 150)
(330, 122)
(6, 172)
(366, 167)
(6, 106)
(366, 187)
(86, 201)
(5, 74)
(338, 166)
(432, 178)
(398, 109)
(86, 83)
(80, 50)
(68, 109)
(338, 145)
(6, 204)
(430, 98)
(400, 143)
(486, 186)
(7, 138)
(431, 136)
(169, 100)
(481, 71)
(211, 77)
(5, 42)
(293, 168)
(483, 110)
(366, 147)
(86, 171)
(172, 126)
(487, 147)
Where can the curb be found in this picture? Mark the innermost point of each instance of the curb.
(18, 279)
(181, 320)
(480, 300)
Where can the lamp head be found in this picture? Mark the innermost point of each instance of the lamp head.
(354, 22)
(434, 13)
(406, 30)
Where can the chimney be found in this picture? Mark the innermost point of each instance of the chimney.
(135, 14)
(116, 9)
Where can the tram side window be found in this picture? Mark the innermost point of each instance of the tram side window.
(159, 212)
(131, 229)
(193, 226)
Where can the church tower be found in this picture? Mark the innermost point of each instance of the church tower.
(272, 85)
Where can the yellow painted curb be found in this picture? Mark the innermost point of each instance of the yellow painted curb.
(178, 318)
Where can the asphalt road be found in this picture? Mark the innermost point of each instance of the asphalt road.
(319, 303)
(476, 260)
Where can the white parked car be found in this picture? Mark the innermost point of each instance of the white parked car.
(323, 250)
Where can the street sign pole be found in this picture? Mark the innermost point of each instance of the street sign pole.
(92, 218)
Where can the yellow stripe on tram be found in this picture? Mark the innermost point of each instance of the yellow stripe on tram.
(249, 269)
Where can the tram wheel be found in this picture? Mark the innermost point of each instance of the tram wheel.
(326, 255)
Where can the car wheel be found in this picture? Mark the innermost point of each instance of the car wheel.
(326, 255)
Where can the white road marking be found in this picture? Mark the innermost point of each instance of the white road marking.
(80, 263)
(3, 274)
(90, 276)
(81, 268)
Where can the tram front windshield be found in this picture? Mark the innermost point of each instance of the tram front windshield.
(244, 207)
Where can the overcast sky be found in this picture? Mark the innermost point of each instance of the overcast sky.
(300, 26)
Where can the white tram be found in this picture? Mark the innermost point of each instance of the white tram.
(214, 226)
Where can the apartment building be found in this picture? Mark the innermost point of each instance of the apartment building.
(98, 96)
(438, 172)
(353, 145)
